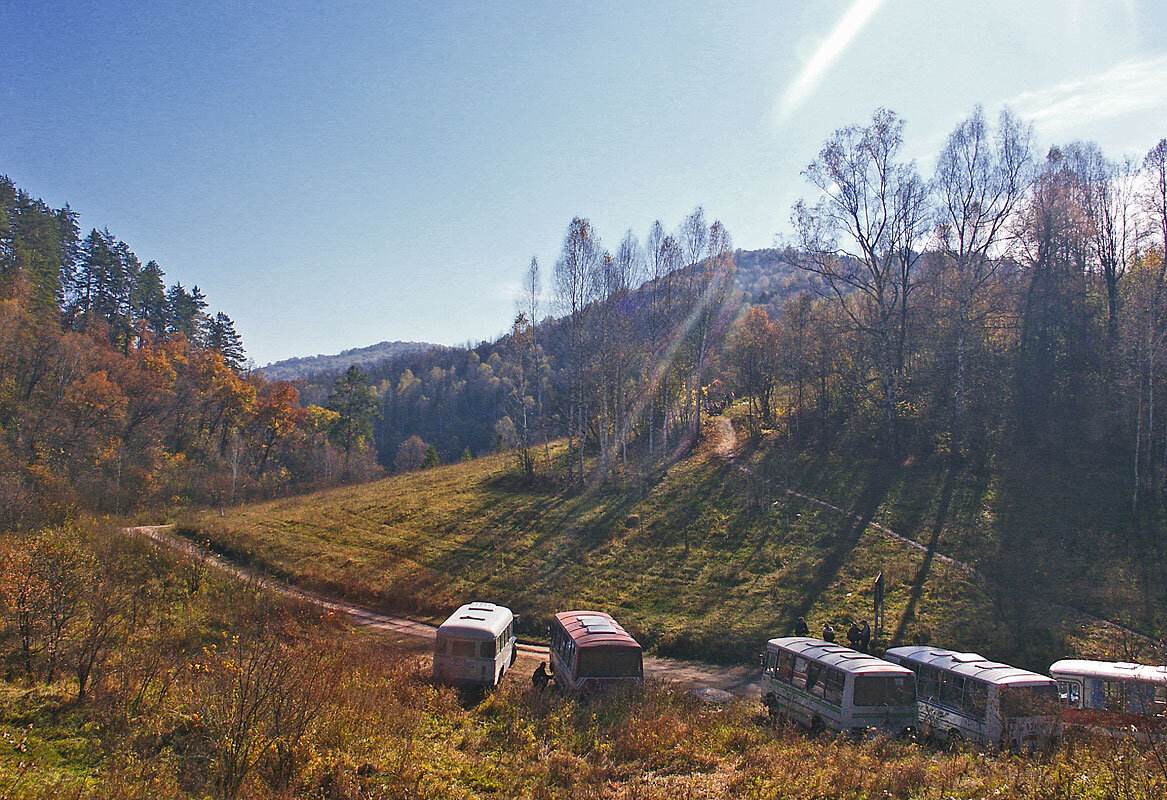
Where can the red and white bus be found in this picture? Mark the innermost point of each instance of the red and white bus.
(1113, 695)
(590, 650)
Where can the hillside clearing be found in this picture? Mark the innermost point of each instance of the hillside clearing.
(701, 567)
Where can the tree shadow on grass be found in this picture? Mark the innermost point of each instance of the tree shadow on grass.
(926, 566)
(847, 538)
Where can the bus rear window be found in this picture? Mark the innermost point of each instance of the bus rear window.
(601, 663)
(1029, 701)
(892, 690)
(463, 648)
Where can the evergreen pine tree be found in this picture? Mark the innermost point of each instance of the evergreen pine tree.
(222, 336)
(149, 298)
(356, 403)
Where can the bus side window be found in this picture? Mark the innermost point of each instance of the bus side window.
(1114, 694)
(1140, 697)
(951, 690)
(1070, 692)
(799, 678)
(771, 661)
(814, 671)
(929, 683)
(1095, 695)
(976, 698)
(785, 666)
(833, 686)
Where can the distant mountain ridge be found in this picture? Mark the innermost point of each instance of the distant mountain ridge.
(299, 367)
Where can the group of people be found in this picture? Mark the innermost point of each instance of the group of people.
(858, 636)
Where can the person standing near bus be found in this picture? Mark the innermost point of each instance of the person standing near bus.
(829, 633)
(853, 635)
(865, 637)
(801, 628)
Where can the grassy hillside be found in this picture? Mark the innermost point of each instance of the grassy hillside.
(707, 565)
(1047, 541)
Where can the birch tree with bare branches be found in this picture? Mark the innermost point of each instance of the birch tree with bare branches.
(862, 237)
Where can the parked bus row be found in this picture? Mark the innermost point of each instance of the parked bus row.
(950, 696)
(941, 694)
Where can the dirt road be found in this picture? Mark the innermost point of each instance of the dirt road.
(711, 682)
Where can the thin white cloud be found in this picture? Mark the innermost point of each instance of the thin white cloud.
(1135, 85)
(836, 43)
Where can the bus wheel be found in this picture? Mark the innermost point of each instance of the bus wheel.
(954, 738)
(817, 726)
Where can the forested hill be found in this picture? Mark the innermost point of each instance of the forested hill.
(117, 391)
(466, 401)
(303, 366)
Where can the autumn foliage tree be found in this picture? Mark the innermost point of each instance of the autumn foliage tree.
(117, 392)
(754, 352)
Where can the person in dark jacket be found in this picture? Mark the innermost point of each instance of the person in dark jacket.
(854, 635)
(829, 633)
(540, 678)
(801, 628)
(865, 637)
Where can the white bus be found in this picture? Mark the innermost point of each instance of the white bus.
(476, 645)
(1113, 695)
(966, 696)
(824, 685)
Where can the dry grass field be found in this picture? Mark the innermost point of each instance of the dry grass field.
(211, 687)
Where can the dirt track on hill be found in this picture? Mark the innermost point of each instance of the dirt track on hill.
(709, 681)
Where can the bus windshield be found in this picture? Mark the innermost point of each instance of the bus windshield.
(891, 690)
(604, 663)
(1029, 701)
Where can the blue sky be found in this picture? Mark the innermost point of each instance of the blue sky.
(333, 174)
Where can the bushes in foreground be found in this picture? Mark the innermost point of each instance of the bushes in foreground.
(210, 688)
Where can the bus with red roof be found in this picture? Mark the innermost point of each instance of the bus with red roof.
(590, 650)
